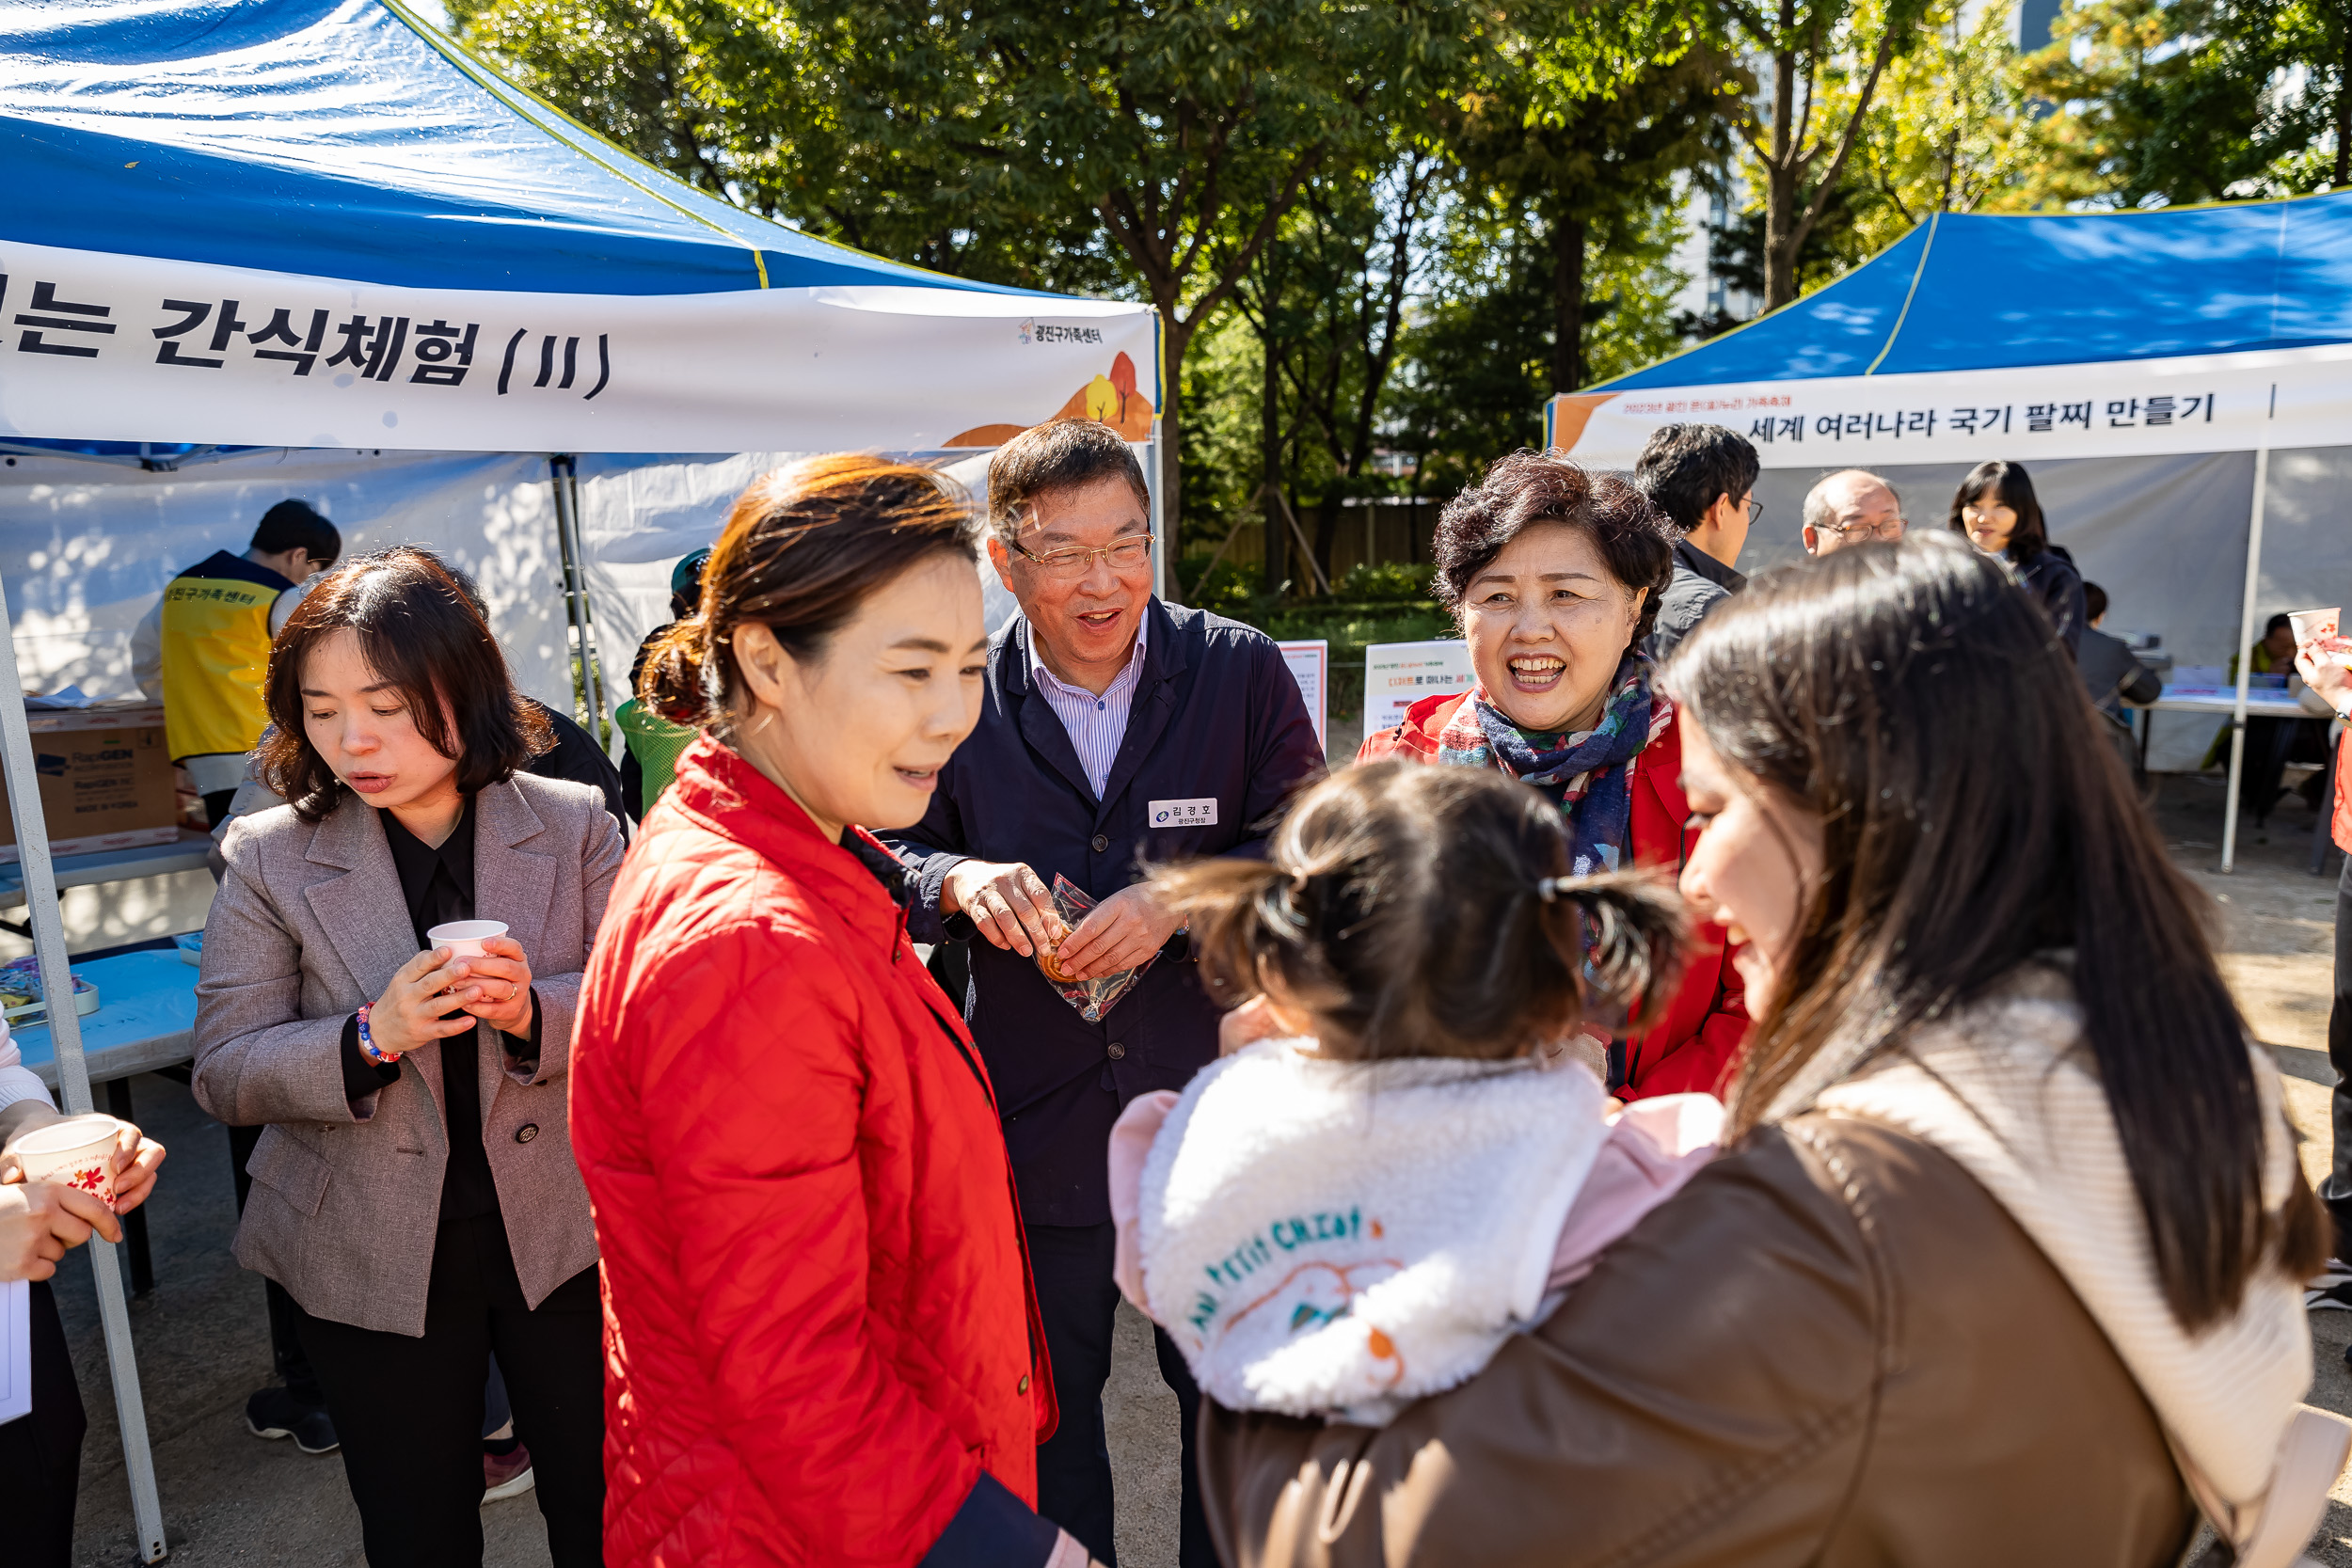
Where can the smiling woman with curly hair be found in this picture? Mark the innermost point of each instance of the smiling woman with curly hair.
(1554, 573)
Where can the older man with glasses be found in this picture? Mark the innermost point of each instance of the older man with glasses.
(1115, 730)
(1851, 506)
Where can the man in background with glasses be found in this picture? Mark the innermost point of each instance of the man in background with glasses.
(1702, 478)
(1851, 506)
(1115, 730)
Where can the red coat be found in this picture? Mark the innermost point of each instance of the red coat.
(818, 1323)
(1693, 1046)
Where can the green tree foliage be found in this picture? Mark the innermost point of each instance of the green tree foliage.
(1185, 130)
(1825, 59)
(2175, 101)
(1584, 118)
(772, 106)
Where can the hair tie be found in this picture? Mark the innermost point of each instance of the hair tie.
(1549, 888)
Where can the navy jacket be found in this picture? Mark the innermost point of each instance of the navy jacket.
(1215, 716)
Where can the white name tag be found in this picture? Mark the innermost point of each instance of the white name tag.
(1183, 814)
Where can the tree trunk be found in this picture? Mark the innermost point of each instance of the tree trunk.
(1781, 171)
(1568, 304)
(2344, 110)
(1326, 529)
(1277, 538)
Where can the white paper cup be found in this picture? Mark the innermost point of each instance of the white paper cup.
(74, 1152)
(464, 937)
(2311, 623)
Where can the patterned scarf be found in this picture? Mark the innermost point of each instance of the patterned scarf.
(1589, 773)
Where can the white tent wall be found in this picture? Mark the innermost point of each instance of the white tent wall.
(87, 547)
(2164, 535)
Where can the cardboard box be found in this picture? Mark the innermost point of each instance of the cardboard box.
(106, 780)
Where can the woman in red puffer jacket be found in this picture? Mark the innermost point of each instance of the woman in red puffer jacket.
(819, 1334)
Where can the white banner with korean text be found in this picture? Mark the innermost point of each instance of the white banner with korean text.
(95, 346)
(2280, 398)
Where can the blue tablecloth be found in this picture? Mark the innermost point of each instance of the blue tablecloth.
(145, 1020)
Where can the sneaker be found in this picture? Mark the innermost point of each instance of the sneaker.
(505, 1475)
(2331, 1290)
(275, 1413)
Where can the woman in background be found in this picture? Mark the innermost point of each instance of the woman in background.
(414, 1189)
(1995, 506)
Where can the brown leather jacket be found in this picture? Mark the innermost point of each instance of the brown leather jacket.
(1832, 1348)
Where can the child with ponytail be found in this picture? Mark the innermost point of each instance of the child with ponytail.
(1358, 1209)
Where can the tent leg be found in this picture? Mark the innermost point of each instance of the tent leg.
(2245, 661)
(65, 1034)
(564, 477)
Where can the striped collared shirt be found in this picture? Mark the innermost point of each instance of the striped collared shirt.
(1096, 724)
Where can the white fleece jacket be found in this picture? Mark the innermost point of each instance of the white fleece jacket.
(1334, 1239)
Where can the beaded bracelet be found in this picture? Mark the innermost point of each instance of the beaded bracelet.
(368, 1047)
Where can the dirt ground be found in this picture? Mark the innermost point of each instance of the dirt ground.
(202, 1344)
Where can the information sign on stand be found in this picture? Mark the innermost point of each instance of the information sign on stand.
(1398, 674)
(1310, 666)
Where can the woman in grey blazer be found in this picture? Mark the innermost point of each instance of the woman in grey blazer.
(414, 1191)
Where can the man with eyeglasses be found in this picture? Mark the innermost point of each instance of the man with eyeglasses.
(1115, 730)
(1851, 506)
(1702, 478)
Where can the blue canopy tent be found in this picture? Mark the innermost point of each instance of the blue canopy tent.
(2178, 382)
(256, 243)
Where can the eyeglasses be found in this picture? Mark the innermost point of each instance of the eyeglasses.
(1893, 529)
(1125, 555)
(1755, 510)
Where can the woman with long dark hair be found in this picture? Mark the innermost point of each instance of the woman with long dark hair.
(414, 1189)
(823, 1341)
(1997, 509)
(2008, 1235)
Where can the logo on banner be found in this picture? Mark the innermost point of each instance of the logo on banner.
(1033, 333)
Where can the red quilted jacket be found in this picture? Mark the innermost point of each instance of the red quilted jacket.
(818, 1323)
(1693, 1047)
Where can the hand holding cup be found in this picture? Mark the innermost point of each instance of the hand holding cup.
(2320, 655)
(409, 1013)
(493, 976)
(41, 1221)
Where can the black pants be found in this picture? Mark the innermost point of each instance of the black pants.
(1078, 1298)
(2337, 1191)
(285, 1344)
(410, 1411)
(40, 1454)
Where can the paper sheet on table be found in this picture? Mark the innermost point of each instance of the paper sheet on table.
(16, 1350)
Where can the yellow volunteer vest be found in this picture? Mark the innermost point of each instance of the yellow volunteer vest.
(216, 656)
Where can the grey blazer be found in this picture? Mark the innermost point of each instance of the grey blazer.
(309, 924)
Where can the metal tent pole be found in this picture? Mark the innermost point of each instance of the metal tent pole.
(1161, 539)
(65, 1034)
(564, 477)
(2244, 660)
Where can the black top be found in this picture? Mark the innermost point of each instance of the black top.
(577, 756)
(1700, 582)
(437, 883)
